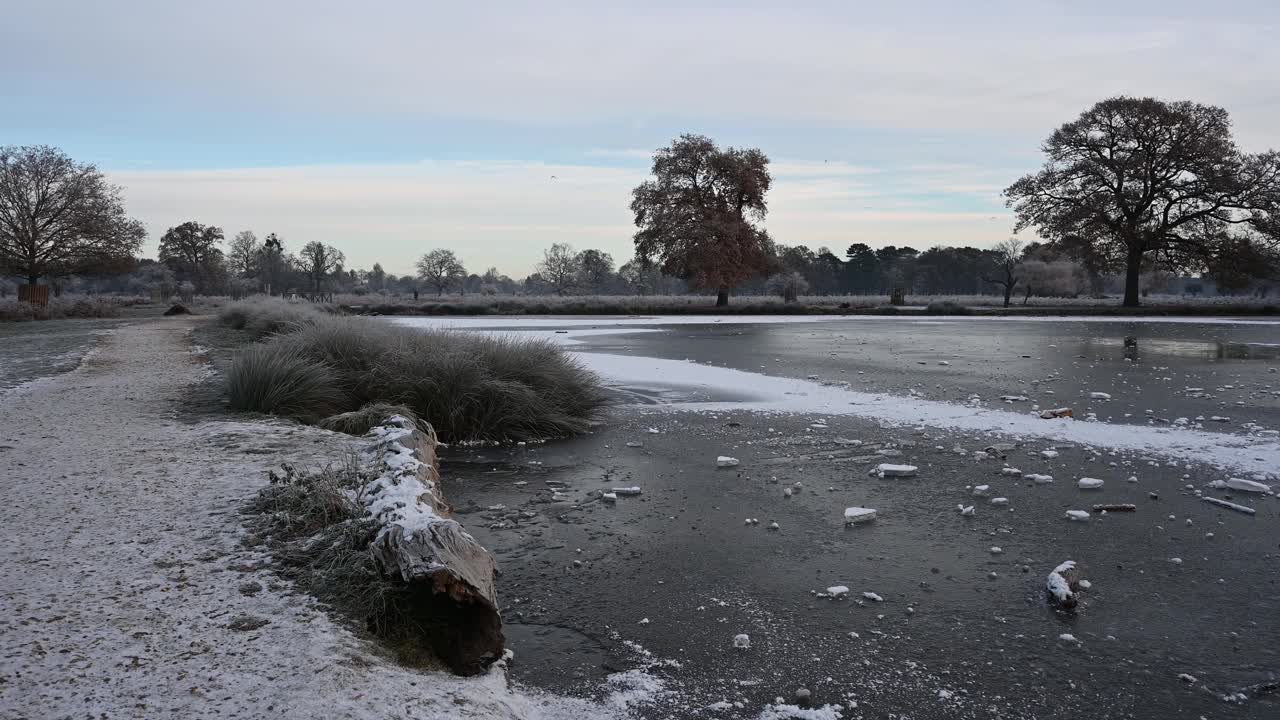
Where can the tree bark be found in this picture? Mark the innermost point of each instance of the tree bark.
(1132, 276)
(722, 297)
(453, 605)
(1008, 293)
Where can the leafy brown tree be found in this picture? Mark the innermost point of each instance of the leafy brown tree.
(319, 262)
(59, 217)
(1137, 181)
(441, 269)
(699, 214)
(191, 250)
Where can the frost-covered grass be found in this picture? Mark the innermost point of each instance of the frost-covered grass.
(468, 386)
(762, 305)
(283, 380)
(69, 306)
(261, 316)
(320, 533)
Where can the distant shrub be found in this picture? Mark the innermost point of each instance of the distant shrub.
(67, 306)
(947, 307)
(262, 316)
(468, 386)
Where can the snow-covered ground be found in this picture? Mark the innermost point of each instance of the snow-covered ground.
(124, 589)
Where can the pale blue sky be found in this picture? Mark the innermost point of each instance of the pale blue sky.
(390, 128)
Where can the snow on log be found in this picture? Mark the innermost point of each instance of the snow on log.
(449, 574)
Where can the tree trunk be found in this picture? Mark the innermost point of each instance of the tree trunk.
(1008, 293)
(33, 279)
(452, 603)
(1132, 276)
(722, 297)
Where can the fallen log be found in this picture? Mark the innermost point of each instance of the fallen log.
(453, 601)
(1124, 507)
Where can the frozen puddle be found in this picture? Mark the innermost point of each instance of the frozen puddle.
(770, 394)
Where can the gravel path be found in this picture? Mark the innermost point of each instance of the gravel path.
(124, 591)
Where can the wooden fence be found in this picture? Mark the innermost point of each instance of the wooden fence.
(34, 294)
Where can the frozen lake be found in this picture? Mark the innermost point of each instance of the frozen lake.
(664, 581)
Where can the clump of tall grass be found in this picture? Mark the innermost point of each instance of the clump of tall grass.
(468, 386)
(281, 380)
(263, 316)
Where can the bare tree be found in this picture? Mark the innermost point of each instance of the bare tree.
(319, 261)
(1008, 257)
(559, 267)
(1136, 180)
(242, 253)
(699, 214)
(441, 269)
(59, 217)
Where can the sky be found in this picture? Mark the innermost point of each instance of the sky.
(390, 128)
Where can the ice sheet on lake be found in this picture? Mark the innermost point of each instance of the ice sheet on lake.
(770, 394)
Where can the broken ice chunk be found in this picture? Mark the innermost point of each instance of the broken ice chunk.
(888, 470)
(725, 461)
(855, 515)
(742, 641)
(1039, 479)
(872, 597)
(1099, 396)
(1089, 483)
(1062, 583)
(1240, 484)
(837, 591)
(633, 490)
(1078, 515)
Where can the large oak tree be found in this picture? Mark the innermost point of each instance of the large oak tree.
(319, 262)
(699, 215)
(1137, 182)
(59, 217)
(191, 250)
(441, 269)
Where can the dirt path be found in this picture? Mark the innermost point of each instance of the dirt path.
(124, 591)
